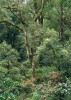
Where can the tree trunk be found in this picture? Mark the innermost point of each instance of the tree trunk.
(62, 23)
(40, 15)
(32, 64)
(30, 53)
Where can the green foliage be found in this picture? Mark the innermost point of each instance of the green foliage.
(55, 54)
(8, 89)
(36, 33)
(3, 72)
(14, 73)
(61, 91)
(8, 56)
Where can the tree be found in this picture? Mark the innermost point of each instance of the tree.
(56, 16)
(25, 26)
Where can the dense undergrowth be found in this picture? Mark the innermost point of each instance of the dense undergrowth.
(48, 86)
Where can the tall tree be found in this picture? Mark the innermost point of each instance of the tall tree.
(26, 26)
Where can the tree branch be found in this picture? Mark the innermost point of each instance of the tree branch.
(11, 23)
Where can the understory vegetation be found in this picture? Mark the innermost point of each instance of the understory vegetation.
(35, 49)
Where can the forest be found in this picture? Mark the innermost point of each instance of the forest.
(35, 49)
